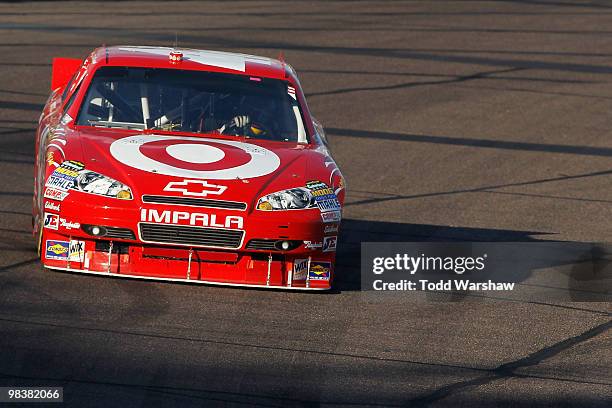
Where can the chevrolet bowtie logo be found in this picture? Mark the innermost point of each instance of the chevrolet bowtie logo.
(195, 188)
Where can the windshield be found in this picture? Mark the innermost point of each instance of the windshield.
(193, 101)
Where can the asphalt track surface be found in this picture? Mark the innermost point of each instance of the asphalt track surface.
(450, 120)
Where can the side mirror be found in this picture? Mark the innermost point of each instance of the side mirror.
(320, 131)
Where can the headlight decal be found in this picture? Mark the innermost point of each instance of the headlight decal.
(96, 183)
(316, 194)
(298, 198)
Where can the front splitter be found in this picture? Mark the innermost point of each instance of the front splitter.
(204, 282)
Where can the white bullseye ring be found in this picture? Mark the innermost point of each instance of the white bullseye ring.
(195, 153)
(127, 151)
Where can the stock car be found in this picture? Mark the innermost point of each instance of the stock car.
(185, 165)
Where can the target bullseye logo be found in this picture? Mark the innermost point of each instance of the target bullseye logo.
(195, 157)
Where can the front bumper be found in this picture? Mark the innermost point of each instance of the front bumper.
(71, 247)
(238, 268)
(307, 266)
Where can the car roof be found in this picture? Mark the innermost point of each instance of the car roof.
(192, 59)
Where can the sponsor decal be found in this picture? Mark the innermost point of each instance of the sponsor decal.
(57, 249)
(69, 174)
(330, 228)
(51, 221)
(331, 204)
(324, 192)
(300, 269)
(76, 252)
(329, 244)
(73, 165)
(195, 157)
(313, 245)
(195, 188)
(331, 216)
(324, 196)
(52, 206)
(59, 183)
(69, 224)
(318, 188)
(64, 176)
(55, 194)
(319, 270)
(191, 218)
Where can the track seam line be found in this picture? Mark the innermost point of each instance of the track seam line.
(507, 370)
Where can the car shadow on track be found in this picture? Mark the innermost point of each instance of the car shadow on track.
(354, 232)
(589, 271)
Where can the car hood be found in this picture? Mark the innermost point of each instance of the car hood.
(210, 167)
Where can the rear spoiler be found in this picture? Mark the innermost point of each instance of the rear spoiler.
(63, 70)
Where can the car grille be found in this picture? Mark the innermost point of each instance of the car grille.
(197, 236)
(262, 244)
(196, 202)
(121, 233)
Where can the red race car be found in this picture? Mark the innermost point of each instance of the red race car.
(185, 165)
